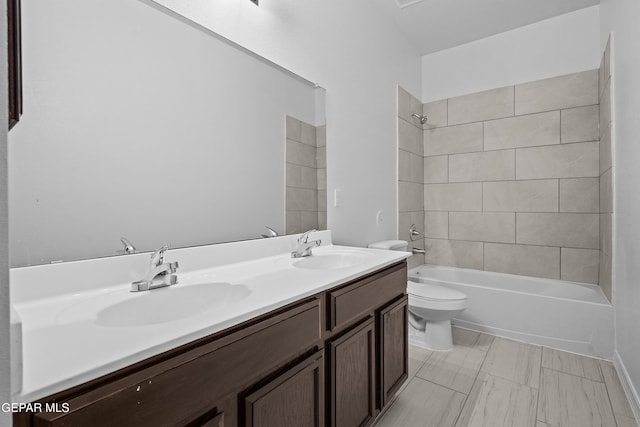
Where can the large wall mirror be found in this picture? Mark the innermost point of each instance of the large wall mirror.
(142, 125)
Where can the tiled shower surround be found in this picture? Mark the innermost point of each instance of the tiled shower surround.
(510, 178)
(306, 177)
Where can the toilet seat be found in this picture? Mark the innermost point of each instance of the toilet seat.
(429, 292)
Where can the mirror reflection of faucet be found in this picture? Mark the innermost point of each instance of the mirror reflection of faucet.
(304, 245)
(270, 232)
(128, 246)
(159, 274)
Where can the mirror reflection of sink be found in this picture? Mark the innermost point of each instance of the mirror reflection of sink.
(171, 303)
(332, 260)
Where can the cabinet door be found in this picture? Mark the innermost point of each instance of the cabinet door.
(294, 398)
(352, 377)
(392, 348)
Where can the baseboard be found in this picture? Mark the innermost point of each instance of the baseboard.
(627, 385)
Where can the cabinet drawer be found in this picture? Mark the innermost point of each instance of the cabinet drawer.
(182, 388)
(365, 295)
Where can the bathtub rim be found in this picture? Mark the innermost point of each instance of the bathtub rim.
(411, 275)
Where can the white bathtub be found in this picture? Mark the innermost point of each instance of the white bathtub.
(567, 316)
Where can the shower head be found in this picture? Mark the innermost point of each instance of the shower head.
(423, 119)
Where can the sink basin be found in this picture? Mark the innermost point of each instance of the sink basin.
(332, 260)
(171, 303)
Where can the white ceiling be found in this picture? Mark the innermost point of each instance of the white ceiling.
(433, 25)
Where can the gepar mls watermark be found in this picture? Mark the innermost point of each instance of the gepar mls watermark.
(35, 407)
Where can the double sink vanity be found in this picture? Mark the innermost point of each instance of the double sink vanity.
(248, 336)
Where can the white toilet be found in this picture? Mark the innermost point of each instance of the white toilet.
(431, 308)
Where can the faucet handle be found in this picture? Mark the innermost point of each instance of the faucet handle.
(157, 258)
(305, 236)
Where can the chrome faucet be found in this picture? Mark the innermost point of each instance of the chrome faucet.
(159, 274)
(304, 245)
(128, 246)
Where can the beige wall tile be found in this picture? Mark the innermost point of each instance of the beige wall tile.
(293, 174)
(454, 253)
(559, 161)
(436, 225)
(606, 157)
(453, 140)
(579, 195)
(436, 169)
(482, 226)
(301, 199)
(580, 124)
(293, 222)
(580, 265)
(308, 134)
(300, 154)
(322, 220)
(436, 113)
(605, 66)
(535, 261)
(407, 105)
(294, 129)
(573, 230)
(411, 167)
(309, 220)
(569, 400)
(523, 131)
(487, 166)
(409, 137)
(321, 179)
(605, 255)
(521, 196)
(410, 196)
(322, 200)
(321, 157)
(573, 90)
(490, 104)
(453, 197)
(309, 178)
(606, 192)
(321, 136)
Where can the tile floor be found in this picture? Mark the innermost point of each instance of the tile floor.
(495, 382)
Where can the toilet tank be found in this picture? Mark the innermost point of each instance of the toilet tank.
(392, 245)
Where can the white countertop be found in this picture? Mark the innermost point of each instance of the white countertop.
(63, 345)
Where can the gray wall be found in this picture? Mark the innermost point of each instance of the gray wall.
(5, 363)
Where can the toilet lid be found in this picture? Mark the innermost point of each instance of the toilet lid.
(434, 292)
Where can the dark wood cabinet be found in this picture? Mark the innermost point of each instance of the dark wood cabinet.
(335, 358)
(293, 399)
(352, 377)
(393, 349)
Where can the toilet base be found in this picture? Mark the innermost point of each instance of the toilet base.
(437, 336)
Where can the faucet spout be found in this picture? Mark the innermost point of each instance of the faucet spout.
(305, 246)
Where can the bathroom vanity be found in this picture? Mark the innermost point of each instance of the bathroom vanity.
(335, 356)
